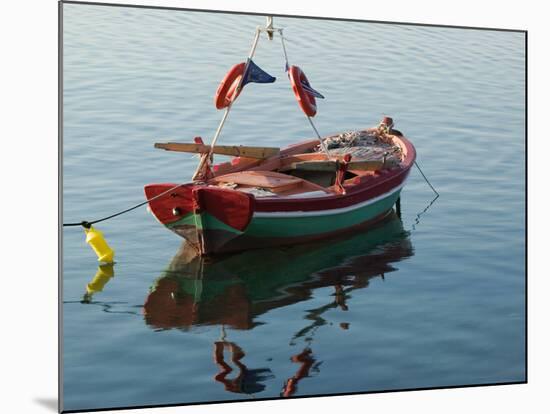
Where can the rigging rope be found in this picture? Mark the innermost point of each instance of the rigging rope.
(284, 49)
(323, 146)
(287, 67)
(205, 159)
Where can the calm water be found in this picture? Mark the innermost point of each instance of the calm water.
(430, 301)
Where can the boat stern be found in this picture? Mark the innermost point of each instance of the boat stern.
(207, 217)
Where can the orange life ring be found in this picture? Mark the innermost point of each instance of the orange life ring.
(226, 91)
(304, 98)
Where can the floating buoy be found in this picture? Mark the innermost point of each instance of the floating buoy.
(96, 240)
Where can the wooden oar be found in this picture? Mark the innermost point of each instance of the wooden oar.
(232, 150)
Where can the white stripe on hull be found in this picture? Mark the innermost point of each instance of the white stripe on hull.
(287, 214)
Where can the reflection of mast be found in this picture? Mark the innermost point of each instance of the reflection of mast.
(306, 361)
(247, 381)
(305, 358)
(340, 296)
(233, 385)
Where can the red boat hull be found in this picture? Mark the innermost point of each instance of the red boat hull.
(217, 220)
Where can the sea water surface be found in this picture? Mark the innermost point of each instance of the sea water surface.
(435, 298)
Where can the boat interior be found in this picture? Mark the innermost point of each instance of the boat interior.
(308, 169)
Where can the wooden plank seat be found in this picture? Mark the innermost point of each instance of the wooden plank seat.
(262, 179)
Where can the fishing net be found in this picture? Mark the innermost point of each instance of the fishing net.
(363, 145)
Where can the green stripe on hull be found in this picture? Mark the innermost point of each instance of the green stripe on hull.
(268, 227)
(188, 219)
(311, 225)
(204, 221)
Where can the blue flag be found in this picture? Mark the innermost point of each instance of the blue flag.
(255, 74)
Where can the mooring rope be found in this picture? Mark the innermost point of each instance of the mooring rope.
(418, 215)
(87, 224)
(426, 179)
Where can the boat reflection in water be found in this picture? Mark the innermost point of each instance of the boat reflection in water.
(233, 291)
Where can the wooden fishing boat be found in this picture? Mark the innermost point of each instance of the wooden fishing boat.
(266, 196)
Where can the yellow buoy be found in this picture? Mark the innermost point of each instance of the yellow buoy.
(96, 240)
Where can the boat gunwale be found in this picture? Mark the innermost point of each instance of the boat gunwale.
(378, 185)
(271, 203)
